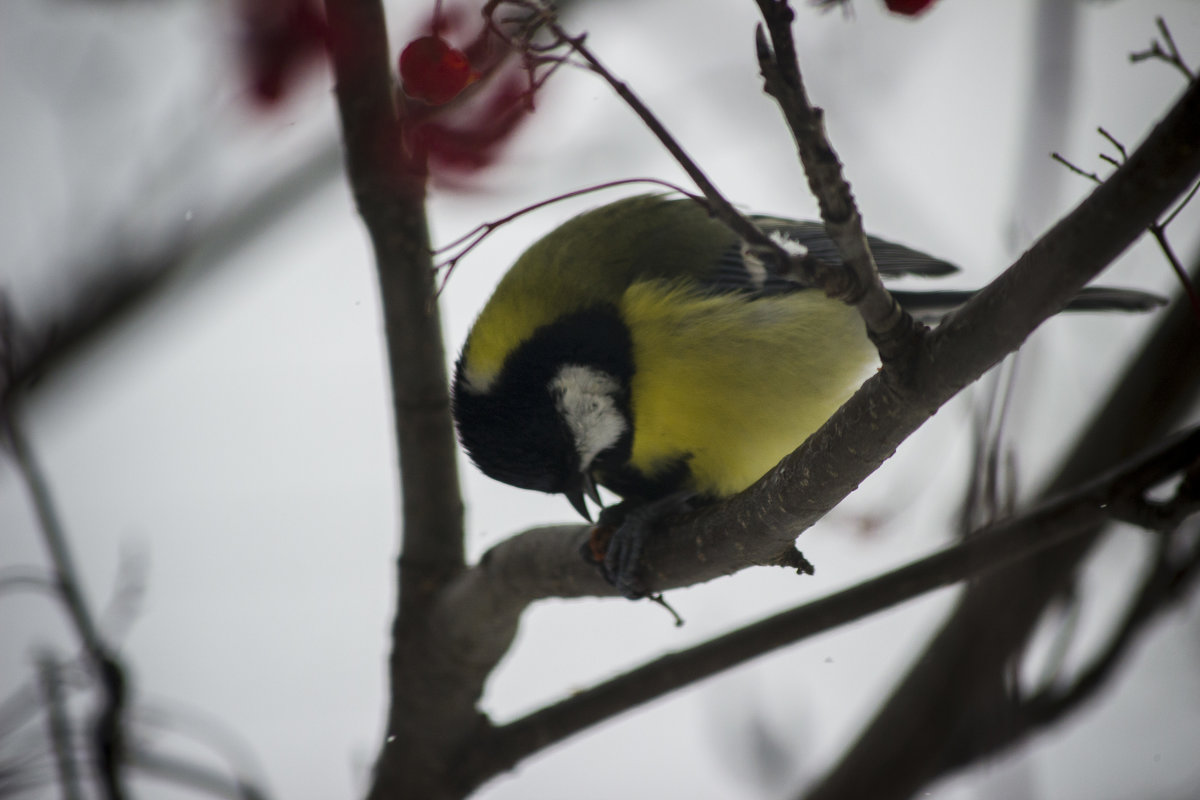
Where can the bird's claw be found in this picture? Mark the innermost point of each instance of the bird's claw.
(620, 537)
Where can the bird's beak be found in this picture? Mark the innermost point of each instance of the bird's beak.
(585, 487)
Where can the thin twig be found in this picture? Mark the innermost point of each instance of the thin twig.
(472, 238)
(719, 206)
(200, 777)
(1093, 177)
(205, 730)
(1170, 55)
(1159, 233)
(1115, 143)
(1182, 204)
(1157, 229)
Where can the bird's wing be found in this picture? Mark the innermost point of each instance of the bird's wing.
(739, 271)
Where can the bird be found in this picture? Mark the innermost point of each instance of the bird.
(642, 346)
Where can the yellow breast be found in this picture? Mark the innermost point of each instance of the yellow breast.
(736, 384)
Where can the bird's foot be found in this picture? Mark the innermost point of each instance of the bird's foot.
(620, 536)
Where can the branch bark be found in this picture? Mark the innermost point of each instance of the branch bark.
(895, 333)
(954, 688)
(987, 550)
(432, 707)
(760, 525)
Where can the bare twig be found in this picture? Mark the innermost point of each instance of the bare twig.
(202, 778)
(1169, 54)
(1157, 229)
(990, 493)
(28, 579)
(718, 205)
(1159, 233)
(1115, 143)
(471, 239)
(1093, 177)
(895, 333)
(158, 716)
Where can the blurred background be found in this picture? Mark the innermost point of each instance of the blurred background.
(221, 455)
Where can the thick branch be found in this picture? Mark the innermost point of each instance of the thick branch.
(761, 524)
(985, 551)
(953, 688)
(432, 709)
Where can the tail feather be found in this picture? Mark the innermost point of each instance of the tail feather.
(937, 304)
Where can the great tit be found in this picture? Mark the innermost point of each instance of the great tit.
(642, 347)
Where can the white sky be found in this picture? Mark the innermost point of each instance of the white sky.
(237, 437)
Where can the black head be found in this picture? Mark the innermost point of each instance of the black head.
(560, 402)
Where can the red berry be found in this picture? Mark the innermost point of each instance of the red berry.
(433, 71)
(908, 7)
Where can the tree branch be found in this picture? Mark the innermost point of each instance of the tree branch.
(984, 551)
(953, 688)
(895, 333)
(431, 708)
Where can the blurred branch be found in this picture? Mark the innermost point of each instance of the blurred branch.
(1167, 583)
(128, 285)
(182, 772)
(982, 552)
(107, 729)
(29, 578)
(58, 724)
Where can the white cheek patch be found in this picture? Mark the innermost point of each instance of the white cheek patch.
(585, 398)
